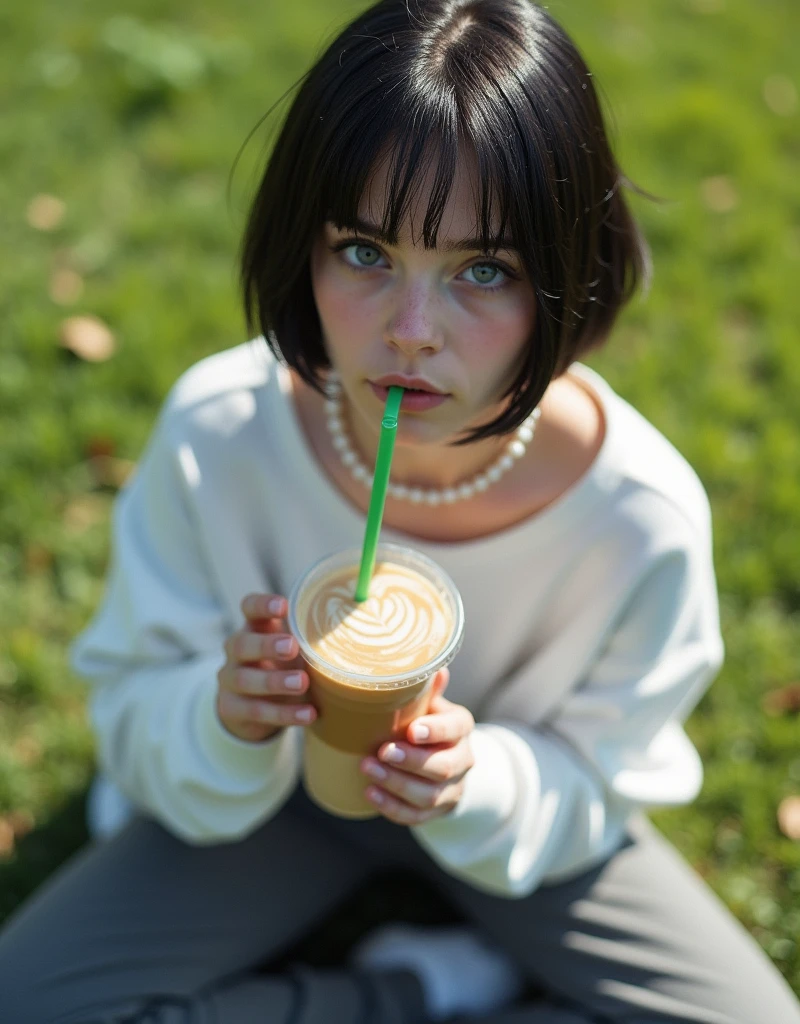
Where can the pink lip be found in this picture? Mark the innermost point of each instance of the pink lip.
(417, 401)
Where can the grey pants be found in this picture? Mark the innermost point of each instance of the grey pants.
(145, 929)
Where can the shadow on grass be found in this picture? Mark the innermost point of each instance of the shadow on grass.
(39, 853)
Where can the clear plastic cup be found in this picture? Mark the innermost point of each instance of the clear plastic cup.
(358, 711)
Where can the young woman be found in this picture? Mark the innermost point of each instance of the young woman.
(441, 205)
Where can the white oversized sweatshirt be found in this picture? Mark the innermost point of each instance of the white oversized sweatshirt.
(592, 631)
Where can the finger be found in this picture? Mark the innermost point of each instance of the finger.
(246, 647)
(264, 606)
(450, 725)
(440, 681)
(401, 813)
(253, 682)
(412, 789)
(259, 610)
(440, 763)
(247, 710)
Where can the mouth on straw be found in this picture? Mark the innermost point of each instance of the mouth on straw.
(380, 485)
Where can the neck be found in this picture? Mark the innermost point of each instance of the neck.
(415, 464)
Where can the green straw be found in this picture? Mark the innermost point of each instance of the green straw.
(380, 484)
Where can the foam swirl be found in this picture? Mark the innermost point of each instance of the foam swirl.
(403, 624)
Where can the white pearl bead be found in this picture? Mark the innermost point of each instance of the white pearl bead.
(516, 449)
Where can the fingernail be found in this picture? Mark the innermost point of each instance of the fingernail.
(394, 754)
(375, 770)
(375, 795)
(284, 646)
(304, 715)
(294, 681)
(420, 732)
(276, 605)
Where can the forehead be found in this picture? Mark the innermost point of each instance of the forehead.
(461, 213)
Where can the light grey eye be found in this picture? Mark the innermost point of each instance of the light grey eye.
(485, 273)
(367, 255)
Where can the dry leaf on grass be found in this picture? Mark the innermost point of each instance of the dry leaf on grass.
(38, 558)
(789, 817)
(780, 95)
(45, 212)
(6, 838)
(22, 822)
(88, 337)
(719, 194)
(784, 701)
(110, 472)
(66, 286)
(84, 512)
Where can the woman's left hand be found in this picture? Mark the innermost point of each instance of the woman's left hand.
(423, 778)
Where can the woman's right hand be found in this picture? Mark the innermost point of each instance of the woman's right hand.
(256, 697)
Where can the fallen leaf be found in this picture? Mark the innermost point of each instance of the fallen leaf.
(45, 212)
(780, 95)
(789, 817)
(784, 701)
(719, 194)
(66, 286)
(38, 558)
(83, 512)
(21, 822)
(99, 445)
(110, 472)
(27, 750)
(88, 337)
(6, 838)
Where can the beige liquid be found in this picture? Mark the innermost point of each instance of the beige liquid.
(404, 624)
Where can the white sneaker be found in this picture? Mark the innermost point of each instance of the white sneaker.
(461, 972)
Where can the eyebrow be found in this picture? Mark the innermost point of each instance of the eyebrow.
(465, 245)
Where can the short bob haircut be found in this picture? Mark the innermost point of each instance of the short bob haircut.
(499, 79)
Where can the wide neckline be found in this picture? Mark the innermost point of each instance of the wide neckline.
(596, 481)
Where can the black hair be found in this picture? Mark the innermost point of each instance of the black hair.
(499, 79)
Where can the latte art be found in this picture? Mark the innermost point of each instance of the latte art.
(404, 623)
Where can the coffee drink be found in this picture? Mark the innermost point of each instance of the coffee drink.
(371, 664)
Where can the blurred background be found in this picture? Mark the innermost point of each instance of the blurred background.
(118, 243)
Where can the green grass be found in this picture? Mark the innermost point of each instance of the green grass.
(135, 126)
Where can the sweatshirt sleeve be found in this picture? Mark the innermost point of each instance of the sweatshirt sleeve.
(151, 655)
(547, 800)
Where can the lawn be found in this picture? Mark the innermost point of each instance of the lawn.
(132, 124)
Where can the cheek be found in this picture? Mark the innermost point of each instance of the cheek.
(343, 307)
(499, 328)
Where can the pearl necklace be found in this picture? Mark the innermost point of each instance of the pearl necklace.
(514, 450)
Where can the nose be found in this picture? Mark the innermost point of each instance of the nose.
(413, 323)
